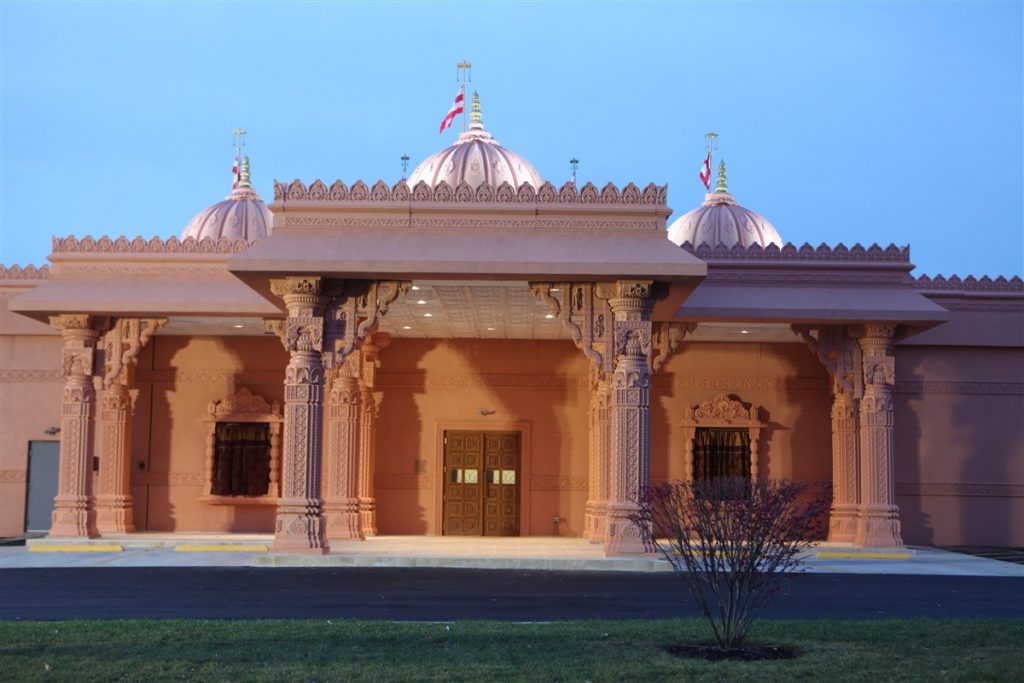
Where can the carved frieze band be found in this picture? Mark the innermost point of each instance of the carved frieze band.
(959, 489)
(402, 481)
(422, 379)
(30, 375)
(156, 478)
(908, 386)
(558, 483)
(970, 284)
(13, 476)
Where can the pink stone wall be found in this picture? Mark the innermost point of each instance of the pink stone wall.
(959, 466)
(427, 386)
(30, 396)
(784, 380)
(178, 377)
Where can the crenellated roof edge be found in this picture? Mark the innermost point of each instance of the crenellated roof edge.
(970, 283)
(29, 272)
(155, 245)
(400, 192)
(790, 252)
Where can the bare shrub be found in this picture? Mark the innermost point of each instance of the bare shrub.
(732, 540)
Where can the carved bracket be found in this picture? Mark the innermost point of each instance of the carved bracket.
(583, 310)
(838, 352)
(355, 314)
(122, 344)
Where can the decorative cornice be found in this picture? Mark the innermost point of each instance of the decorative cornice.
(790, 252)
(959, 489)
(463, 193)
(155, 245)
(969, 284)
(16, 272)
(244, 402)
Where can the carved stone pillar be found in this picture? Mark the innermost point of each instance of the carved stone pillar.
(840, 354)
(599, 415)
(630, 414)
(72, 515)
(121, 346)
(878, 523)
(300, 524)
(368, 433)
(341, 505)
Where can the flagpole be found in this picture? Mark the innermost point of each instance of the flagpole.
(464, 72)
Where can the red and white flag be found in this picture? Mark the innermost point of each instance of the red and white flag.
(456, 109)
(705, 172)
(234, 174)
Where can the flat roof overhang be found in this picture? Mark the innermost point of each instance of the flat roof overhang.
(460, 254)
(812, 303)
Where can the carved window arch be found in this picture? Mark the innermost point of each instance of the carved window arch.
(251, 421)
(722, 412)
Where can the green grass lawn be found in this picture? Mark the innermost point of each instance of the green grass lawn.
(317, 650)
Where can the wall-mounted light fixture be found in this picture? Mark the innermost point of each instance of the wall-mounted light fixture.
(51, 431)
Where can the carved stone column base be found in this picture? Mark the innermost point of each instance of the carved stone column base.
(589, 522)
(368, 517)
(300, 528)
(878, 526)
(114, 514)
(842, 523)
(72, 518)
(343, 520)
(622, 535)
(600, 521)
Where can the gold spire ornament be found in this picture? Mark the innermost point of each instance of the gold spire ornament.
(464, 73)
(243, 176)
(476, 117)
(721, 185)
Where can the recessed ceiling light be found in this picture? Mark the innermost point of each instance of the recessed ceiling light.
(553, 289)
(238, 327)
(549, 316)
(406, 327)
(744, 331)
(428, 315)
(415, 288)
(421, 302)
(490, 329)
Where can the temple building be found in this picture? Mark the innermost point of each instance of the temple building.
(475, 351)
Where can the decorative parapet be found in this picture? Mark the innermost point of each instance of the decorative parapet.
(400, 192)
(27, 273)
(155, 245)
(790, 252)
(1014, 285)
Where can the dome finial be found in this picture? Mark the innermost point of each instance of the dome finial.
(243, 176)
(476, 117)
(721, 185)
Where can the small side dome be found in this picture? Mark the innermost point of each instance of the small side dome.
(241, 216)
(476, 158)
(723, 222)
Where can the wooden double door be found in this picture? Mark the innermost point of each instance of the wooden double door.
(481, 483)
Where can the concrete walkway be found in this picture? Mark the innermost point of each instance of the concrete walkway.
(550, 553)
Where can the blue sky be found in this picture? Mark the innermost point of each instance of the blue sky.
(840, 122)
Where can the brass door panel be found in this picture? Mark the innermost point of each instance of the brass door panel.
(481, 484)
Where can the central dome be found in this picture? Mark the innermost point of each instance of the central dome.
(476, 158)
(241, 216)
